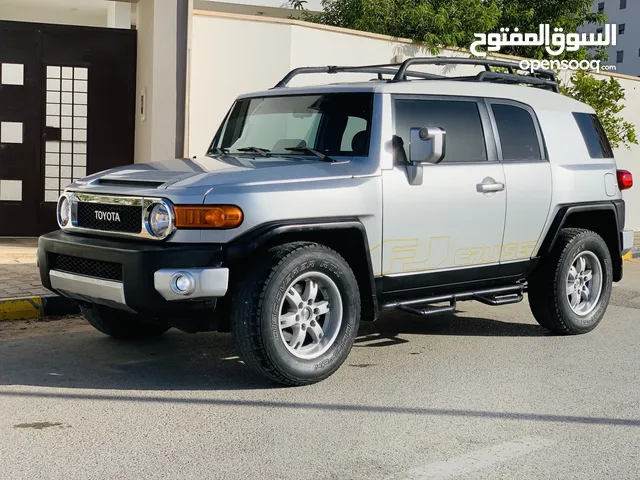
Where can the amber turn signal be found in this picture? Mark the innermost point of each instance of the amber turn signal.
(211, 216)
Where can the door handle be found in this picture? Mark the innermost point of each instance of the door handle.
(490, 187)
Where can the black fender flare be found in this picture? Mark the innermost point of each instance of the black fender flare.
(261, 235)
(616, 206)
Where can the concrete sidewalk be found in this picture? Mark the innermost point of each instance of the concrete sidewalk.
(22, 296)
(17, 251)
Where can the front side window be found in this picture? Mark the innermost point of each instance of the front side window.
(334, 124)
(517, 132)
(594, 135)
(460, 120)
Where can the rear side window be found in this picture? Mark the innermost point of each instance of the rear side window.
(460, 119)
(594, 135)
(518, 135)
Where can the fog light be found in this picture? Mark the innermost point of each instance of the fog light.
(183, 283)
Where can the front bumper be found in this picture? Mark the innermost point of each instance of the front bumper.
(140, 276)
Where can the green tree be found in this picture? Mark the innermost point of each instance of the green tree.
(606, 98)
(569, 15)
(452, 23)
(434, 23)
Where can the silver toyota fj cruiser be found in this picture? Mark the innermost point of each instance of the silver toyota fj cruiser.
(317, 207)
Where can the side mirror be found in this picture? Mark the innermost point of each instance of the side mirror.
(427, 145)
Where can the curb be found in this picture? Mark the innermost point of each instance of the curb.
(31, 308)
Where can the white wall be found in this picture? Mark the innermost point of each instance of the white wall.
(232, 55)
(52, 14)
(226, 62)
(156, 79)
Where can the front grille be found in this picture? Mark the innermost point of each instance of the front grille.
(109, 217)
(84, 266)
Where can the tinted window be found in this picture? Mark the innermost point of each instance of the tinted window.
(461, 121)
(594, 135)
(335, 124)
(355, 136)
(518, 136)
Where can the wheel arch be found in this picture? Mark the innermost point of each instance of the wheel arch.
(347, 236)
(606, 219)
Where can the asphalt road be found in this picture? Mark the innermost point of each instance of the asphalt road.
(486, 394)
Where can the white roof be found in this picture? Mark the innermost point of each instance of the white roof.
(535, 97)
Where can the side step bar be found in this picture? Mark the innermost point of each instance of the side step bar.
(425, 306)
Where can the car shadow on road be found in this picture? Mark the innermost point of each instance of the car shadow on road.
(205, 361)
(391, 326)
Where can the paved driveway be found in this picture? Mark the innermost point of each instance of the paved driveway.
(487, 394)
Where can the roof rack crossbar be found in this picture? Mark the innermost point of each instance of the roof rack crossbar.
(387, 69)
(500, 77)
(548, 76)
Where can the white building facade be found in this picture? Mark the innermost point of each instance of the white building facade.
(625, 14)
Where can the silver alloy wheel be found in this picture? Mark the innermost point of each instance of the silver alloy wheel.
(310, 315)
(584, 283)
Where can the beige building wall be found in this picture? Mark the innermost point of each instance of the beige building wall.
(156, 80)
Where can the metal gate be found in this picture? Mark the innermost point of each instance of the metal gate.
(67, 110)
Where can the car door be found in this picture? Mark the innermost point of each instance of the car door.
(448, 229)
(527, 172)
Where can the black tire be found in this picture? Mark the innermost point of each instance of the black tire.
(122, 325)
(255, 313)
(547, 290)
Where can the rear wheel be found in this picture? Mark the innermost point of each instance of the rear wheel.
(295, 315)
(121, 324)
(570, 292)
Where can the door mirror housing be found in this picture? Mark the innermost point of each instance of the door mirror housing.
(427, 145)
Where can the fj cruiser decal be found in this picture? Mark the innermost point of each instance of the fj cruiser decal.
(413, 255)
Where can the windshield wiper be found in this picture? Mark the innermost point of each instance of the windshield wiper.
(219, 151)
(262, 151)
(325, 158)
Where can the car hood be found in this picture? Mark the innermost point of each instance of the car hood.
(198, 175)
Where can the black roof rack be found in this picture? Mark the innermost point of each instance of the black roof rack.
(539, 78)
(387, 69)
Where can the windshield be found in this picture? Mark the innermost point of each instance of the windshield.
(336, 124)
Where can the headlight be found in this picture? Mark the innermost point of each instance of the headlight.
(160, 221)
(64, 211)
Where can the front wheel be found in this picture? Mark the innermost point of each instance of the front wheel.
(570, 292)
(295, 315)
